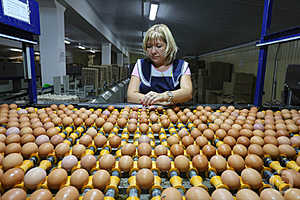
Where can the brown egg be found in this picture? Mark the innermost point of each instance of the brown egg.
(193, 150)
(218, 162)
(221, 194)
(15, 193)
(200, 162)
(291, 177)
(224, 150)
(132, 127)
(144, 162)
(91, 132)
(100, 140)
(34, 177)
(68, 162)
(78, 150)
(240, 150)
(101, 179)
(13, 138)
(88, 162)
(171, 193)
(177, 150)
(255, 149)
(236, 162)
(115, 141)
(270, 140)
(99, 122)
(13, 148)
(125, 163)
(144, 139)
(144, 128)
(197, 193)
(2, 138)
(107, 162)
(144, 149)
(209, 150)
(79, 178)
(144, 178)
(172, 140)
(187, 140)
(39, 131)
(283, 140)
(156, 127)
(182, 163)
(93, 194)
(251, 177)
(86, 140)
(270, 194)
(246, 194)
(243, 140)
(163, 163)
(287, 150)
(230, 141)
(56, 178)
(257, 140)
(292, 194)
(183, 132)
(231, 179)
(209, 134)
(62, 149)
(271, 150)
(52, 132)
(45, 149)
(165, 123)
(254, 161)
(160, 150)
(12, 177)
(128, 149)
(67, 193)
(12, 160)
(41, 194)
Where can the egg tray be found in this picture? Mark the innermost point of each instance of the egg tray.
(165, 179)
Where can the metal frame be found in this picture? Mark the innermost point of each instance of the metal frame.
(21, 31)
(265, 40)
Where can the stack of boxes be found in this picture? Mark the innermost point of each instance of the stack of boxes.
(90, 76)
(211, 82)
(243, 87)
(115, 73)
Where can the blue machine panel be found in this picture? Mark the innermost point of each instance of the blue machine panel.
(32, 25)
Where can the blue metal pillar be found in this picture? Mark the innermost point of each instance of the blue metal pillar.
(30, 66)
(263, 52)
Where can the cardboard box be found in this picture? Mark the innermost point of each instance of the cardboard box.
(228, 88)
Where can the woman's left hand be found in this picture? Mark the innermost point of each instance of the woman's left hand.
(152, 98)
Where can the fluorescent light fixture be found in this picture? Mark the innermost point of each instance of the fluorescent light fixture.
(67, 42)
(16, 50)
(81, 47)
(37, 53)
(153, 11)
(92, 51)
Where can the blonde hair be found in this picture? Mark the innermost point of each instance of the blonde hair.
(161, 31)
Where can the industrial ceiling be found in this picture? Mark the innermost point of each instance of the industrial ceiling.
(199, 26)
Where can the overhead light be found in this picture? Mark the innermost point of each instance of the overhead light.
(67, 42)
(16, 50)
(81, 47)
(153, 11)
(37, 53)
(92, 51)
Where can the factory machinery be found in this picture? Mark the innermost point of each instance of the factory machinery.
(130, 152)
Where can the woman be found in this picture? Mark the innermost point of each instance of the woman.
(160, 78)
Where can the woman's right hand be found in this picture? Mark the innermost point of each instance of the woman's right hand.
(154, 98)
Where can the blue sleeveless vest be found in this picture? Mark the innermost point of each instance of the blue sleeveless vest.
(160, 84)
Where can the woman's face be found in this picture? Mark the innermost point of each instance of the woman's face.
(156, 51)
